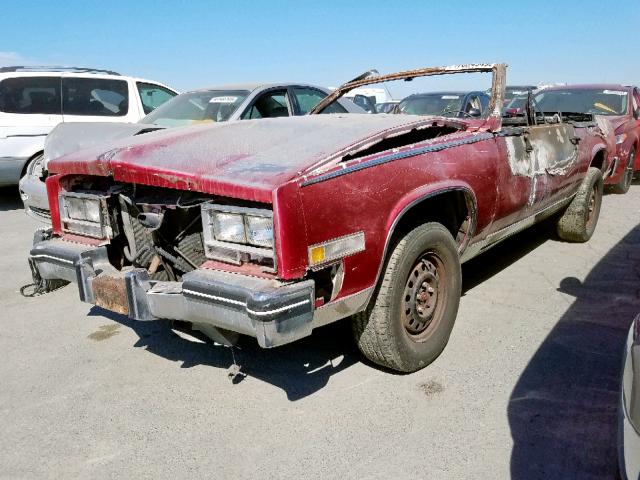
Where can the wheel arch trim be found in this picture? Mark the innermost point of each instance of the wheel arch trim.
(413, 199)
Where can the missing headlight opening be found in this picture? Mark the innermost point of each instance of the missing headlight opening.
(161, 230)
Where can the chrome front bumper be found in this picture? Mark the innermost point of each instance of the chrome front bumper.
(274, 312)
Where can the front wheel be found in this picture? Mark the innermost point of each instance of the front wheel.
(408, 323)
(578, 222)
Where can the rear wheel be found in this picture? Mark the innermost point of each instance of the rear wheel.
(627, 176)
(578, 222)
(408, 323)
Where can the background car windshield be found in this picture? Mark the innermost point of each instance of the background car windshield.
(432, 104)
(197, 107)
(511, 93)
(596, 101)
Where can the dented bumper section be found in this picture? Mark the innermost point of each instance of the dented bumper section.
(274, 312)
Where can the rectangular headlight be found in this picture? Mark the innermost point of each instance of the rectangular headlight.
(228, 227)
(84, 214)
(238, 234)
(259, 231)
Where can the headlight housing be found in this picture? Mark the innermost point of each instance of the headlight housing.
(238, 234)
(85, 214)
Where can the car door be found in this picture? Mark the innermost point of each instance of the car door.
(95, 99)
(538, 161)
(274, 102)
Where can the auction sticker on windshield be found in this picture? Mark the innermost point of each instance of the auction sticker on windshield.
(223, 99)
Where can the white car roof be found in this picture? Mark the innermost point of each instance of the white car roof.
(78, 74)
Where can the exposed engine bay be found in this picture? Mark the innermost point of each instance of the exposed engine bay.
(157, 229)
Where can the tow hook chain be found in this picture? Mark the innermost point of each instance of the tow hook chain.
(234, 374)
(40, 286)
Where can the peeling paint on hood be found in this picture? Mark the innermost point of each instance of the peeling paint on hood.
(248, 159)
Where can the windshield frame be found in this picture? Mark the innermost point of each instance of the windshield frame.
(493, 121)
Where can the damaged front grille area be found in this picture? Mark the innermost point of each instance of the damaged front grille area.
(166, 240)
(162, 230)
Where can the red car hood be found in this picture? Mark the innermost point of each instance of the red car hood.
(244, 159)
(616, 120)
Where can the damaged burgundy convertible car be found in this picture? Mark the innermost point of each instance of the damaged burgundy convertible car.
(272, 228)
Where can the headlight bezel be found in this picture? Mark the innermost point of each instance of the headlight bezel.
(238, 252)
(85, 225)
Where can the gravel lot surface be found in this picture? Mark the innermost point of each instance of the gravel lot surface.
(526, 389)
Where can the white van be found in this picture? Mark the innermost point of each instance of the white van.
(33, 100)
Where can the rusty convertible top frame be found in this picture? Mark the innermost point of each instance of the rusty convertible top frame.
(497, 85)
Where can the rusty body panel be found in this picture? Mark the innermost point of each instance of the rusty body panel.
(498, 85)
(110, 293)
(327, 177)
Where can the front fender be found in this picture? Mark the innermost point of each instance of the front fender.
(420, 194)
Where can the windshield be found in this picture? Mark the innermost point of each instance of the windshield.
(512, 92)
(517, 103)
(595, 101)
(197, 107)
(435, 104)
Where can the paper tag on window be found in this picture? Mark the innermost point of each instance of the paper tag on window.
(450, 97)
(223, 99)
(614, 92)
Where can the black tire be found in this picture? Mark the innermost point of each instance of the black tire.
(578, 222)
(407, 334)
(627, 176)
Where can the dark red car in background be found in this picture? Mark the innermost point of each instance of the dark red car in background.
(620, 104)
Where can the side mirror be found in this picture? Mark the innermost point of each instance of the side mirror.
(475, 113)
(636, 113)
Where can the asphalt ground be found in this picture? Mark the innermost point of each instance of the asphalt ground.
(527, 387)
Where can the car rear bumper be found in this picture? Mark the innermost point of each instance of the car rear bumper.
(274, 312)
(11, 169)
(34, 196)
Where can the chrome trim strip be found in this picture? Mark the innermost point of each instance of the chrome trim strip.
(51, 257)
(397, 156)
(243, 304)
(342, 308)
(498, 236)
(278, 310)
(214, 297)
